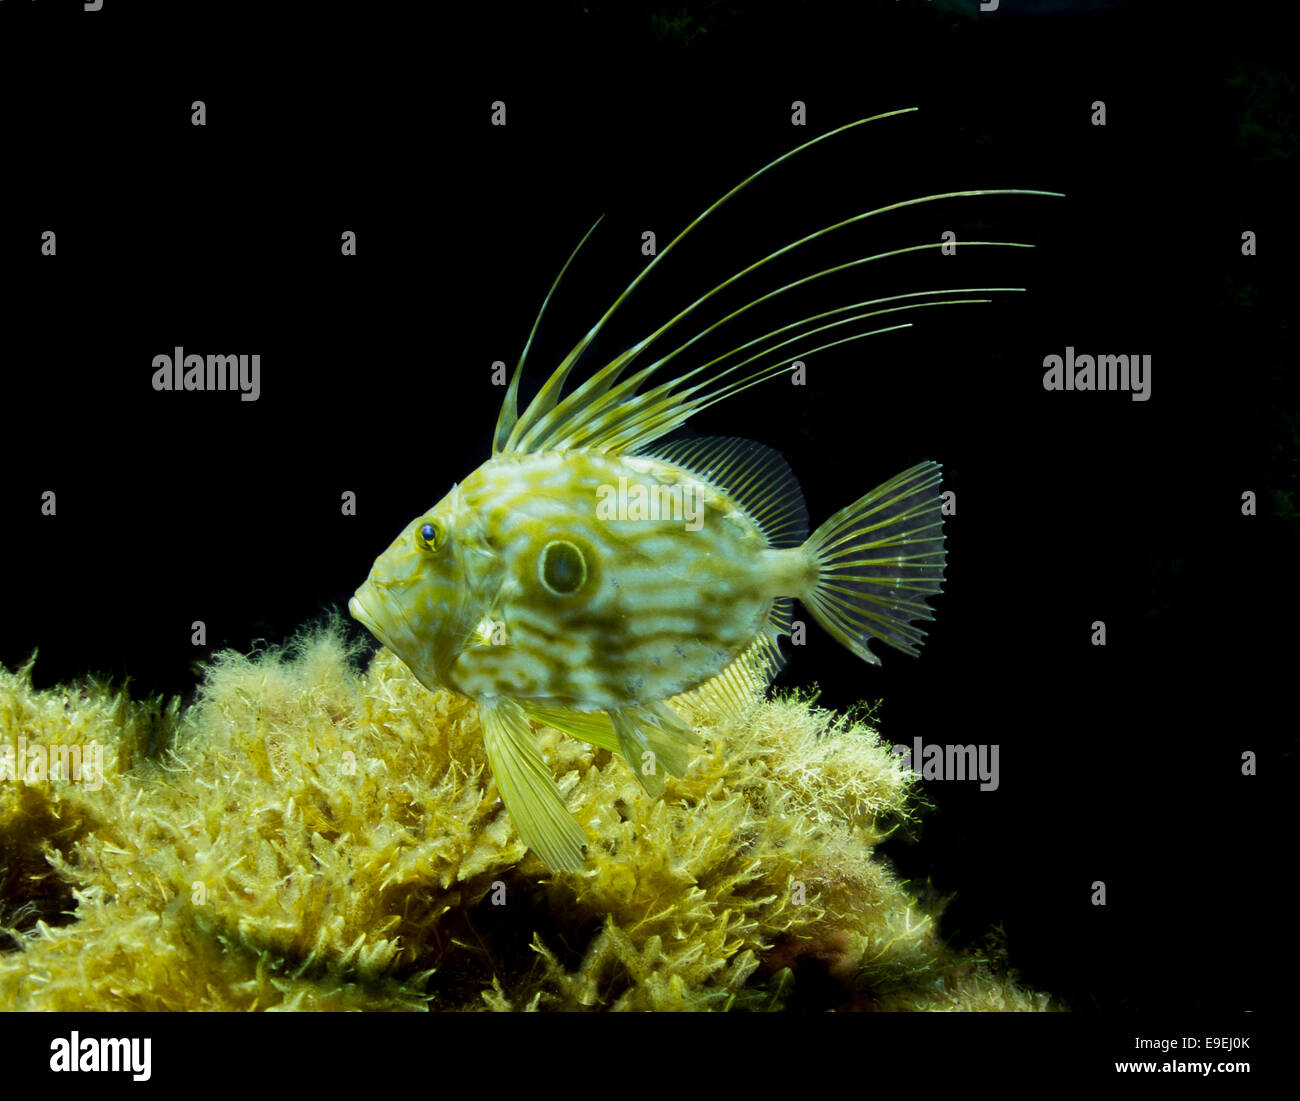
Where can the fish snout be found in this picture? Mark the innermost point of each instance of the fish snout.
(358, 611)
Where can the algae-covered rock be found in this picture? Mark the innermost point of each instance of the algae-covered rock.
(304, 836)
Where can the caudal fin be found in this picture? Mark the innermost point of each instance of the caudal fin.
(877, 561)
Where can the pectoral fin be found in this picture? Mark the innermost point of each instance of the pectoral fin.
(527, 787)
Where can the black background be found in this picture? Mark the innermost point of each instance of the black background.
(1119, 764)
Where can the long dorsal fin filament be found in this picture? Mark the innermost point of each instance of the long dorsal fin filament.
(608, 411)
(509, 414)
(562, 371)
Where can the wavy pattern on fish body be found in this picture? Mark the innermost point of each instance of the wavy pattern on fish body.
(666, 602)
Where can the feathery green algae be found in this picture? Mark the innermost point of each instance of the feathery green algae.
(305, 836)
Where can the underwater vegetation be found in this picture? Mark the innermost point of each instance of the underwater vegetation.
(307, 836)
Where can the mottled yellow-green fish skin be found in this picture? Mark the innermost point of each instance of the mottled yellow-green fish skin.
(588, 572)
(583, 611)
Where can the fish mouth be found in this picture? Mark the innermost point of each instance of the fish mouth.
(357, 611)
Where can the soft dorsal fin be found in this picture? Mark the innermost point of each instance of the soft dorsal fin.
(756, 477)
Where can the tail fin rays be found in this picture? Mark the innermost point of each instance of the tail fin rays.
(879, 559)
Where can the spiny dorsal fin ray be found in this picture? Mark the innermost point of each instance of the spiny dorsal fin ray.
(564, 428)
(583, 404)
(509, 414)
(536, 430)
(555, 426)
(756, 477)
(607, 411)
(541, 405)
(536, 435)
(631, 421)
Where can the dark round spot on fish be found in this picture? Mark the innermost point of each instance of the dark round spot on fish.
(562, 568)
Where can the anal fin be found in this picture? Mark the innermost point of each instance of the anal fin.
(735, 690)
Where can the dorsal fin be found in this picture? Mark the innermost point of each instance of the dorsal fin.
(609, 411)
(756, 477)
(522, 427)
(509, 415)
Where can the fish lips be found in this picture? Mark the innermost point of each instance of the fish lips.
(358, 611)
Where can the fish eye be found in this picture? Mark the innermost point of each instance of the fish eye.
(430, 536)
(562, 568)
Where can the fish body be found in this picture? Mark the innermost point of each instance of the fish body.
(607, 580)
(590, 571)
